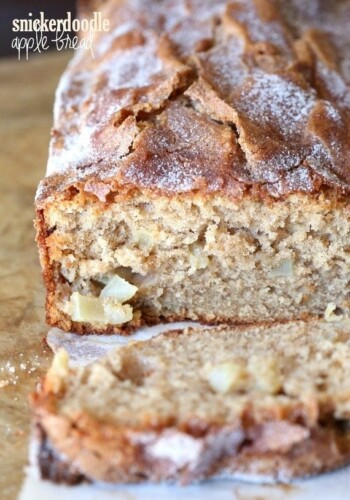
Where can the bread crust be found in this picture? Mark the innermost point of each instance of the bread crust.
(87, 329)
(185, 84)
(303, 463)
(325, 449)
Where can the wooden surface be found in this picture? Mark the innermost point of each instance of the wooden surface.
(26, 98)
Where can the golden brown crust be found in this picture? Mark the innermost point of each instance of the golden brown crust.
(56, 319)
(243, 98)
(324, 451)
(318, 455)
(83, 449)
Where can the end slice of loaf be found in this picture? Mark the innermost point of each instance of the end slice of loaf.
(253, 402)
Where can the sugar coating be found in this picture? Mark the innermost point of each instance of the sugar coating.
(274, 64)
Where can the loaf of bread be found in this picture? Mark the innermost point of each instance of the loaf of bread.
(269, 403)
(199, 166)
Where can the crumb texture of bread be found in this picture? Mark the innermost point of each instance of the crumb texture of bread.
(150, 410)
(200, 259)
(202, 156)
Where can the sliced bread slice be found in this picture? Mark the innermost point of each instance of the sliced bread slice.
(268, 402)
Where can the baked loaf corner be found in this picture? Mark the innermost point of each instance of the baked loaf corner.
(249, 402)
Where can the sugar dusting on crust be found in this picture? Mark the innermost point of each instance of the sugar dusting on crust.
(246, 52)
(183, 161)
(272, 101)
(260, 28)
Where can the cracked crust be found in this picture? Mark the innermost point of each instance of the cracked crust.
(246, 97)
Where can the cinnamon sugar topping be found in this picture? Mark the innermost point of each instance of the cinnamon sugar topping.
(215, 96)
